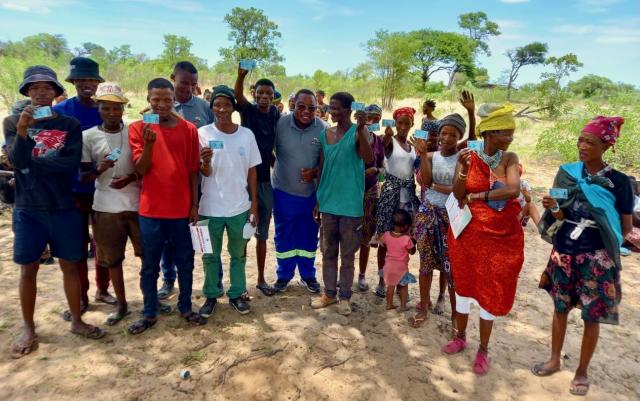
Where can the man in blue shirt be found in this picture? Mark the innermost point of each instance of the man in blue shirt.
(84, 74)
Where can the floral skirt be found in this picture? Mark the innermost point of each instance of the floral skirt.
(432, 225)
(369, 217)
(589, 281)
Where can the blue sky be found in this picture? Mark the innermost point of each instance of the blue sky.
(328, 34)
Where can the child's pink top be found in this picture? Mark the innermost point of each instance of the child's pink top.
(396, 263)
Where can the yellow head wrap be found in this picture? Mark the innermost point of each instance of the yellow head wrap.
(498, 119)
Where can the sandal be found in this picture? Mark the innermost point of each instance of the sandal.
(20, 349)
(66, 315)
(266, 289)
(418, 320)
(481, 363)
(579, 388)
(94, 333)
(105, 298)
(195, 319)
(164, 308)
(540, 371)
(141, 325)
(116, 317)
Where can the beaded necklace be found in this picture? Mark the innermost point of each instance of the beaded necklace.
(492, 161)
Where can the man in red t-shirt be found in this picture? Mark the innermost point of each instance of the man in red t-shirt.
(167, 156)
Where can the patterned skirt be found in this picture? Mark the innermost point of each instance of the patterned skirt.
(369, 217)
(432, 226)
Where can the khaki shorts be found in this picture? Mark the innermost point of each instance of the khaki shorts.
(111, 231)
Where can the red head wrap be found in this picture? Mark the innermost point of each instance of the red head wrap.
(605, 128)
(404, 111)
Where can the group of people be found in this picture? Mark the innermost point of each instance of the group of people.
(342, 185)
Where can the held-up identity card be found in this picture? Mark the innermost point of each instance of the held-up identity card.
(421, 134)
(42, 112)
(476, 146)
(114, 155)
(558, 193)
(388, 123)
(374, 127)
(357, 106)
(248, 64)
(216, 144)
(150, 118)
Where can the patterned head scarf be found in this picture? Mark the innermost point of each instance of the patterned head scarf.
(404, 111)
(373, 109)
(495, 118)
(605, 128)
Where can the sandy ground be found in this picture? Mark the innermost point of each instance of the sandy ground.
(284, 350)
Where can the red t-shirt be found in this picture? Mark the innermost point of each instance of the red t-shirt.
(176, 154)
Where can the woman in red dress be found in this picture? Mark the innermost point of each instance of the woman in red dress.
(487, 256)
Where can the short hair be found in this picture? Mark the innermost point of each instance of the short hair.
(345, 99)
(321, 92)
(185, 66)
(401, 218)
(160, 83)
(304, 92)
(430, 103)
(265, 82)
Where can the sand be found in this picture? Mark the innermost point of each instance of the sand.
(284, 350)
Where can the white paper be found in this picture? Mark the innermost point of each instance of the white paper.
(458, 218)
(200, 237)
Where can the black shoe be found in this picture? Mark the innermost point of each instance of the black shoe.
(166, 290)
(311, 284)
(240, 305)
(208, 307)
(281, 285)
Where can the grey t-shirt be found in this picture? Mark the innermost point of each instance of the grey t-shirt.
(196, 111)
(296, 148)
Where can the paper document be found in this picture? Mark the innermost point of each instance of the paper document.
(458, 218)
(200, 237)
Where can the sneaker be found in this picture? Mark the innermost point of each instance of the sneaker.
(362, 283)
(344, 307)
(281, 285)
(208, 307)
(166, 290)
(454, 346)
(323, 302)
(311, 284)
(240, 305)
(481, 364)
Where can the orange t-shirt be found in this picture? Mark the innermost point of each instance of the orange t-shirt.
(165, 190)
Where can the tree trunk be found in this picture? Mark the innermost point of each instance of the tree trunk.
(452, 76)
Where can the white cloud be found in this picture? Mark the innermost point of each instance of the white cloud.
(34, 6)
(572, 29)
(514, 1)
(321, 9)
(178, 5)
(619, 31)
(596, 6)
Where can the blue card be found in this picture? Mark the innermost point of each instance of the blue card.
(42, 112)
(476, 146)
(150, 118)
(388, 123)
(248, 64)
(114, 155)
(558, 193)
(374, 127)
(216, 144)
(421, 134)
(357, 106)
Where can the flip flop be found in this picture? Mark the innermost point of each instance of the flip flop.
(116, 317)
(66, 315)
(579, 388)
(20, 349)
(95, 333)
(106, 299)
(266, 289)
(540, 371)
(195, 319)
(140, 326)
(417, 321)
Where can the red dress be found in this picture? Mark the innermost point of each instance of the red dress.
(488, 255)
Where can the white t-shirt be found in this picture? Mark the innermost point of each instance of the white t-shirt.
(95, 145)
(225, 192)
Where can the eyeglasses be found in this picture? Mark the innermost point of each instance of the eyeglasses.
(302, 107)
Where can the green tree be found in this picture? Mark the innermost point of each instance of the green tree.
(460, 51)
(253, 36)
(52, 45)
(562, 67)
(531, 54)
(479, 28)
(390, 56)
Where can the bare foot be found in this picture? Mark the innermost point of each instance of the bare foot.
(392, 307)
(439, 308)
(25, 344)
(402, 309)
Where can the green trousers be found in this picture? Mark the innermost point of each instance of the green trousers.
(236, 245)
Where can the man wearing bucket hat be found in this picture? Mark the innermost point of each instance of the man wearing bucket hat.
(116, 199)
(46, 154)
(84, 74)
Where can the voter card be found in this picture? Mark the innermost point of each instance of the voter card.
(114, 155)
(216, 144)
(42, 112)
(248, 64)
(421, 134)
(476, 146)
(558, 193)
(357, 106)
(374, 127)
(151, 118)
(388, 123)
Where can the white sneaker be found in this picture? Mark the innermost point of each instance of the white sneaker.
(344, 307)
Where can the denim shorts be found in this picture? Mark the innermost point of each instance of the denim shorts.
(34, 229)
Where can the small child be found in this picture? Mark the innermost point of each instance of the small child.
(529, 209)
(396, 265)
